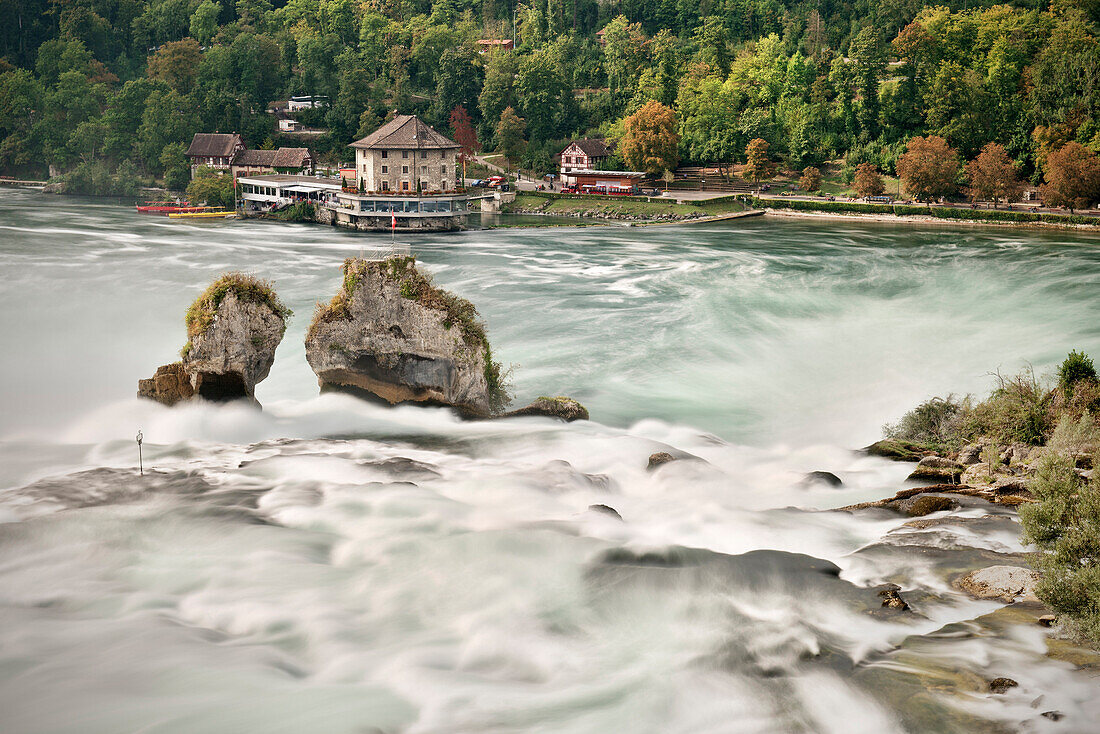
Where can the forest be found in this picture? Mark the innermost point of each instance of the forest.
(110, 92)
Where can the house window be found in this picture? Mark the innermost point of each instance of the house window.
(443, 168)
(364, 168)
(385, 169)
(404, 154)
(404, 185)
(423, 154)
(404, 169)
(444, 184)
(385, 185)
(384, 152)
(423, 169)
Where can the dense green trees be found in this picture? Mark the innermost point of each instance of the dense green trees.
(841, 81)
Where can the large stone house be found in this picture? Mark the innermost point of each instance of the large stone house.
(406, 155)
(406, 176)
(586, 154)
(215, 150)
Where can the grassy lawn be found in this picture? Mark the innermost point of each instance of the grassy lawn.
(622, 207)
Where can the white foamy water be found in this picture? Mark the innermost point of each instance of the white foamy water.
(328, 565)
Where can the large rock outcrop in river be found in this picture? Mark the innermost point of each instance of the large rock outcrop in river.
(233, 330)
(390, 334)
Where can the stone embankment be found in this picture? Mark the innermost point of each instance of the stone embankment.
(233, 330)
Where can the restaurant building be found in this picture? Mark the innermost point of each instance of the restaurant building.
(406, 175)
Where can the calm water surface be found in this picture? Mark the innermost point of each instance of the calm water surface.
(331, 566)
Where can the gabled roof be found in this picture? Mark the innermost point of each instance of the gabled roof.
(290, 157)
(591, 146)
(213, 144)
(406, 131)
(255, 158)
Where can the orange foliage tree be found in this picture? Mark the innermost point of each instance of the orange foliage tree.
(993, 176)
(650, 142)
(929, 168)
(759, 165)
(1072, 177)
(868, 181)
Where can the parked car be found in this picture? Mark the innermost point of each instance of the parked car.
(568, 190)
(651, 192)
(479, 183)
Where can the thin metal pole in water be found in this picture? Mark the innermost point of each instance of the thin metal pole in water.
(141, 465)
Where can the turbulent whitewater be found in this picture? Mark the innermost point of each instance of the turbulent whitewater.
(330, 565)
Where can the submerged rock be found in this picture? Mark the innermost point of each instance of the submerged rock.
(233, 329)
(822, 477)
(565, 408)
(388, 333)
(605, 510)
(891, 598)
(1006, 583)
(1001, 685)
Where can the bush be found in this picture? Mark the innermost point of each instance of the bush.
(1018, 411)
(1065, 524)
(935, 422)
(1075, 435)
(1076, 367)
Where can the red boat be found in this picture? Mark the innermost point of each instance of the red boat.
(168, 207)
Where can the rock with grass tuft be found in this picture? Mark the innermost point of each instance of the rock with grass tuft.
(389, 334)
(233, 330)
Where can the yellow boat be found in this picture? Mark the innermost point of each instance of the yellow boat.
(201, 215)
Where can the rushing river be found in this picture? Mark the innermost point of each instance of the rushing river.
(329, 565)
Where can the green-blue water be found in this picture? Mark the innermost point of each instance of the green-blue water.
(278, 574)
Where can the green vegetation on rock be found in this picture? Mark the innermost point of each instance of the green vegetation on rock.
(415, 285)
(247, 289)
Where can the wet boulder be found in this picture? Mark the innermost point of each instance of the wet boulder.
(233, 330)
(390, 335)
(923, 504)
(937, 468)
(1006, 583)
(658, 459)
(564, 408)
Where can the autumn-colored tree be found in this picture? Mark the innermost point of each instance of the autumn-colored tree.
(464, 132)
(759, 166)
(1072, 177)
(929, 168)
(811, 179)
(177, 63)
(993, 176)
(650, 142)
(868, 181)
(509, 134)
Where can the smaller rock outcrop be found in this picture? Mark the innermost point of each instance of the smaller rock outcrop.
(937, 468)
(605, 510)
(567, 409)
(1006, 583)
(233, 330)
(389, 333)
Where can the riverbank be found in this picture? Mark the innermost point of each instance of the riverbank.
(623, 209)
(922, 214)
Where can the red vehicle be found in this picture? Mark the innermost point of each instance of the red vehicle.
(495, 181)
